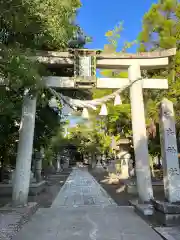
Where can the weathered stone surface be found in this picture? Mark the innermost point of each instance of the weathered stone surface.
(80, 183)
(167, 219)
(166, 213)
(143, 174)
(166, 207)
(144, 209)
(12, 219)
(24, 154)
(169, 152)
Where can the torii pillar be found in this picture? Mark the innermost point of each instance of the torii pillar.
(140, 142)
(24, 154)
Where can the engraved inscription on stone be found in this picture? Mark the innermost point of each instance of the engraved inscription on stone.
(171, 150)
(170, 131)
(171, 171)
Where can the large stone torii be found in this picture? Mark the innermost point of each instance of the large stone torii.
(88, 60)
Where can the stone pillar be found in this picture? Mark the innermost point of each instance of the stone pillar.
(125, 158)
(99, 160)
(24, 153)
(38, 166)
(103, 157)
(89, 159)
(93, 161)
(144, 184)
(66, 163)
(99, 167)
(171, 172)
(58, 163)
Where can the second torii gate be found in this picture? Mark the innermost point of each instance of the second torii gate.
(85, 77)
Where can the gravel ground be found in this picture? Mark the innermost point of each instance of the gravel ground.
(12, 219)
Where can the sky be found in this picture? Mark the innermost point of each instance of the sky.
(96, 17)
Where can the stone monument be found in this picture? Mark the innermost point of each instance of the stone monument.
(169, 152)
(125, 158)
(58, 164)
(99, 167)
(168, 212)
(38, 165)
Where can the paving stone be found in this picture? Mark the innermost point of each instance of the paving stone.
(83, 210)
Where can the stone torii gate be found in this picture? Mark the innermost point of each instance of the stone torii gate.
(85, 63)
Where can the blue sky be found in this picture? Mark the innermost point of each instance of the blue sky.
(98, 16)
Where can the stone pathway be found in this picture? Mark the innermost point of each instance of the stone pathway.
(84, 211)
(81, 189)
(169, 233)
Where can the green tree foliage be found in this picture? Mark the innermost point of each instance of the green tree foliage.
(89, 138)
(161, 30)
(27, 26)
(39, 24)
(118, 121)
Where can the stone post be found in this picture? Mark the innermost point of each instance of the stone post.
(99, 160)
(144, 184)
(24, 153)
(125, 158)
(99, 167)
(171, 173)
(93, 161)
(89, 159)
(58, 163)
(38, 166)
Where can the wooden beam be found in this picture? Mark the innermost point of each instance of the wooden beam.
(102, 83)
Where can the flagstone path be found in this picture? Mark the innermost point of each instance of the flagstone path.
(84, 211)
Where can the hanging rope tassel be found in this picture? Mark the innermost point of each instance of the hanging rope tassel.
(103, 111)
(85, 114)
(117, 100)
